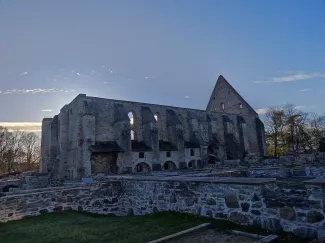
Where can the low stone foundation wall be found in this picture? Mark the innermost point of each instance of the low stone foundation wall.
(278, 172)
(246, 201)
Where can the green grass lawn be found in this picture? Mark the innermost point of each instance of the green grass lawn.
(77, 227)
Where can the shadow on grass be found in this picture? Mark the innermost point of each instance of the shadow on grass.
(83, 227)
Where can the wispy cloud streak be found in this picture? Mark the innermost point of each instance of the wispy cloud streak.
(294, 77)
(305, 90)
(299, 76)
(31, 91)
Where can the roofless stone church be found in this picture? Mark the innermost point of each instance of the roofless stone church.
(96, 135)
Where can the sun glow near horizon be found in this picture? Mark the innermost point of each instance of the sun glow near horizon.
(22, 126)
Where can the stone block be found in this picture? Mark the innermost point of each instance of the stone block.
(221, 215)
(231, 200)
(211, 201)
(314, 217)
(256, 212)
(238, 218)
(288, 213)
(130, 212)
(305, 232)
(245, 207)
(58, 209)
(271, 224)
(43, 211)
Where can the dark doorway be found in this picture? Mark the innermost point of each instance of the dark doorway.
(7, 188)
(103, 163)
(169, 165)
(142, 167)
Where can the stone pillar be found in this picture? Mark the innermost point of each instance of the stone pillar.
(122, 132)
(53, 163)
(260, 132)
(150, 132)
(63, 141)
(176, 137)
(89, 138)
(45, 144)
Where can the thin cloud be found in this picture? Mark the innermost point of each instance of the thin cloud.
(31, 91)
(47, 110)
(305, 90)
(261, 111)
(299, 76)
(294, 77)
(186, 97)
(24, 73)
(300, 107)
(26, 91)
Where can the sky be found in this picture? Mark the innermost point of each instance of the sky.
(163, 52)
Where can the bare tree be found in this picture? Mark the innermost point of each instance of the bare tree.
(31, 149)
(274, 124)
(316, 129)
(19, 151)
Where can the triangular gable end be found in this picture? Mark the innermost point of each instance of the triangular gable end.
(226, 99)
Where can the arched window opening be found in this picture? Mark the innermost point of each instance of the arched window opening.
(222, 106)
(190, 164)
(132, 122)
(157, 118)
(141, 155)
(132, 135)
(192, 152)
(240, 105)
(168, 154)
(166, 166)
(158, 125)
(131, 117)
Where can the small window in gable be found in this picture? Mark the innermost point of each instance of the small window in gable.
(222, 106)
(240, 105)
(192, 152)
(141, 155)
(168, 154)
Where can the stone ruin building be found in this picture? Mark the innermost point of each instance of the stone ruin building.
(96, 135)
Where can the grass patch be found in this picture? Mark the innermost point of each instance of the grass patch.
(80, 227)
(291, 166)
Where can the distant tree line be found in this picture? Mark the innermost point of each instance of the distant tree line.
(19, 151)
(292, 131)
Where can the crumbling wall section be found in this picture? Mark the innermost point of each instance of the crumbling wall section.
(299, 209)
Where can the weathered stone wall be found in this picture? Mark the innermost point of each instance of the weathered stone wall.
(90, 121)
(299, 209)
(45, 143)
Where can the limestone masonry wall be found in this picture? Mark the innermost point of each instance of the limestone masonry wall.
(299, 208)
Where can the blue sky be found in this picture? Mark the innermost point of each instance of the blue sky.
(167, 52)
